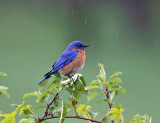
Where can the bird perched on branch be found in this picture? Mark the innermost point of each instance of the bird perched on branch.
(71, 61)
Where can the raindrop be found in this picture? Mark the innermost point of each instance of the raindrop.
(72, 13)
(76, 32)
(133, 1)
(130, 43)
(86, 21)
(117, 35)
(155, 42)
(101, 27)
(42, 38)
(26, 20)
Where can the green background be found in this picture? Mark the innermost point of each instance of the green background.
(122, 34)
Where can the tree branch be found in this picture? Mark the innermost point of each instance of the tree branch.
(77, 117)
(48, 105)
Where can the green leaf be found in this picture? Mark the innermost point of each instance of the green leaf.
(60, 88)
(26, 121)
(131, 122)
(92, 115)
(57, 77)
(83, 109)
(9, 118)
(83, 80)
(106, 84)
(52, 87)
(91, 96)
(41, 97)
(141, 119)
(107, 101)
(3, 90)
(40, 106)
(113, 116)
(116, 93)
(93, 87)
(147, 118)
(63, 113)
(104, 120)
(117, 105)
(114, 88)
(43, 84)
(101, 78)
(94, 82)
(97, 103)
(112, 94)
(68, 105)
(102, 75)
(14, 105)
(122, 90)
(43, 122)
(56, 103)
(77, 94)
(13, 114)
(115, 74)
(137, 116)
(18, 106)
(1, 113)
(76, 89)
(36, 93)
(2, 74)
(25, 110)
(70, 89)
(79, 86)
(115, 80)
(51, 108)
(116, 114)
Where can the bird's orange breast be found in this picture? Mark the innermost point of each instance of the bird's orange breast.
(76, 65)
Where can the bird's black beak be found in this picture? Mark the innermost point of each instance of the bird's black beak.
(86, 45)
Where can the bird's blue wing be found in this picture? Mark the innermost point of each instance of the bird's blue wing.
(65, 58)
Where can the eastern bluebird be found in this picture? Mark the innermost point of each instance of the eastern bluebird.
(71, 61)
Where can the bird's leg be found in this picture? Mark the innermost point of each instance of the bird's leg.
(70, 76)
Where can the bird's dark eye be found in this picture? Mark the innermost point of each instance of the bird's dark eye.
(80, 45)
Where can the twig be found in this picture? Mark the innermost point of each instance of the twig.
(110, 103)
(107, 95)
(77, 117)
(48, 105)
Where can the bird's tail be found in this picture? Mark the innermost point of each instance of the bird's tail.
(47, 75)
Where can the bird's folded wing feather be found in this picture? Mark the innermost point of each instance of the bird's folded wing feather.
(65, 58)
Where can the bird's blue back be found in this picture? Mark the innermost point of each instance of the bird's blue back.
(67, 56)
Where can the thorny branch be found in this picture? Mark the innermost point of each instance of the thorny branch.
(47, 113)
(48, 105)
(77, 117)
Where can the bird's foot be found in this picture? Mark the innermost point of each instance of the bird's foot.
(70, 77)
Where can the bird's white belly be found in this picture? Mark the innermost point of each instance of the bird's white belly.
(75, 70)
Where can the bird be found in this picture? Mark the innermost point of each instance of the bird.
(70, 62)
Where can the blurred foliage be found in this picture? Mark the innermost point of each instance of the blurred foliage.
(3, 89)
(2, 74)
(141, 119)
(77, 88)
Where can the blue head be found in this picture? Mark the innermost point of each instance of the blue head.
(77, 45)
